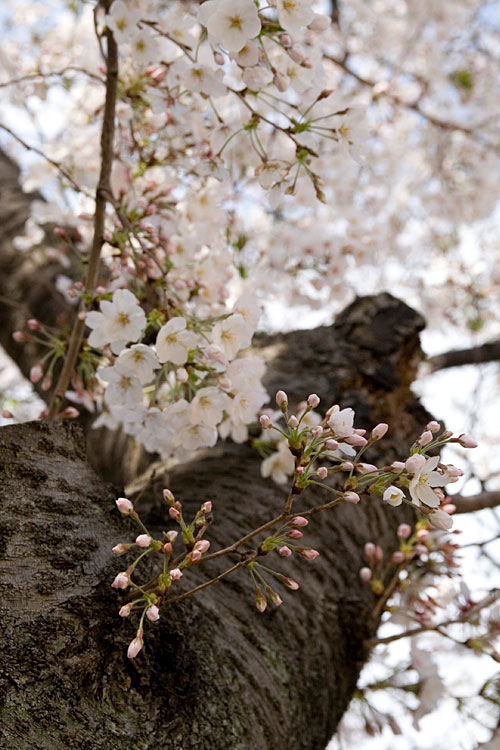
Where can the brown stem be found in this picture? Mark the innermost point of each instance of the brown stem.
(212, 580)
(102, 191)
(388, 591)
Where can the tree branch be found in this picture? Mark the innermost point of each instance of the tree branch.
(489, 352)
(102, 192)
(476, 502)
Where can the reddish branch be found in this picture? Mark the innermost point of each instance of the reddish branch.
(102, 193)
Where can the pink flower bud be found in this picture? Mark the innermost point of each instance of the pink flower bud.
(34, 325)
(422, 535)
(313, 400)
(21, 337)
(47, 383)
(285, 40)
(181, 375)
(355, 440)
(143, 540)
(346, 466)
(152, 613)
(397, 467)
(318, 431)
(265, 422)
(322, 472)
(365, 574)
(225, 383)
(397, 558)
(466, 441)
(288, 582)
(379, 431)
(351, 497)
(218, 58)
(260, 600)
(125, 610)
(174, 514)
(441, 520)
(207, 507)
(284, 551)
(369, 550)
(195, 555)
(274, 596)
(167, 548)
(171, 536)
(168, 496)
(425, 438)
(175, 574)
(415, 463)
(293, 422)
(332, 444)
(124, 506)
(307, 553)
(294, 534)
(121, 581)
(379, 554)
(281, 398)
(202, 546)
(36, 373)
(280, 82)
(134, 647)
(433, 426)
(365, 468)
(319, 22)
(299, 521)
(69, 413)
(296, 54)
(404, 531)
(449, 508)
(300, 470)
(119, 549)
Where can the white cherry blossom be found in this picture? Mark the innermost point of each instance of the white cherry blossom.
(342, 422)
(140, 360)
(122, 20)
(232, 334)
(120, 321)
(294, 14)
(231, 22)
(123, 390)
(208, 406)
(174, 341)
(424, 480)
(279, 465)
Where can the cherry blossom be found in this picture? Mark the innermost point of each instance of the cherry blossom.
(120, 321)
(231, 22)
(423, 481)
(174, 341)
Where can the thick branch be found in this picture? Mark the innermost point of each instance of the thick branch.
(489, 352)
(468, 504)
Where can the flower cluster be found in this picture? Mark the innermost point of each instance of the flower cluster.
(309, 442)
(175, 394)
(308, 439)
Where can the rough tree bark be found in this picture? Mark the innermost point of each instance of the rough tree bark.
(214, 672)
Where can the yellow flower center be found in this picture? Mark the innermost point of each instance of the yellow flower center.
(123, 319)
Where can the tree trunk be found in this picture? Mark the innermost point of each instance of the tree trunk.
(214, 672)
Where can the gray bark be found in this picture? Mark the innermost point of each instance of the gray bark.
(214, 672)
